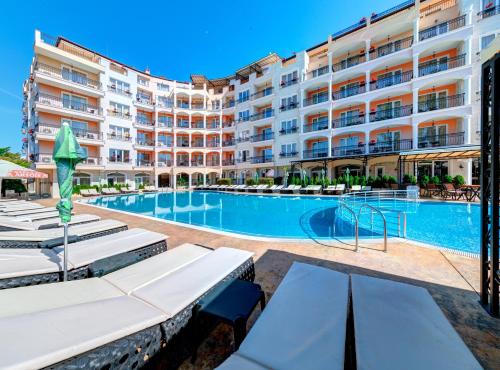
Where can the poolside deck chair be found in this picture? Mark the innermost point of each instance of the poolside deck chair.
(240, 188)
(400, 326)
(213, 187)
(329, 189)
(88, 258)
(303, 325)
(31, 217)
(288, 190)
(270, 189)
(50, 238)
(9, 224)
(311, 189)
(125, 190)
(262, 188)
(84, 193)
(278, 189)
(355, 188)
(449, 191)
(19, 207)
(31, 211)
(150, 189)
(93, 192)
(110, 191)
(340, 189)
(118, 321)
(366, 188)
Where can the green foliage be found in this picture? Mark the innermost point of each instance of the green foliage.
(225, 181)
(409, 179)
(370, 181)
(250, 182)
(11, 184)
(458, 180)
(424, 180)
(448, 179)
(266, 181)
(141, 187)
(77, 188)
(392, 180)
(385, 180)
(333, 182)
(362, 181)
(434, 180)
(16, 158)
(278, 180)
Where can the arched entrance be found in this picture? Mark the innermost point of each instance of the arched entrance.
(164, 180)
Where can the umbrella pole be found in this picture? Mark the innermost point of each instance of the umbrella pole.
(65, 271)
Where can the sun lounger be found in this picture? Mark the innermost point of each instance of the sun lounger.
(303, 325)
(149, 189)
(20, 207)
(262, 188)
(213, 187)
(7, 224)
(109, 191)
(126, 190)
(31, 217)
(449, 191)
(329, 189)
(240, 188)
(32, 211)
(119, 320)
(50, 238)
(355, 188)
(400, 326)
(84, 193)
(366, 188)
(289, 189)
(311, 189)
(93, 192)
(88, 258)
(335, 189)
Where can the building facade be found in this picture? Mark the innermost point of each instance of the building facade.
(407, 79)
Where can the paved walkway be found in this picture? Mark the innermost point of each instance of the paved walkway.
(453, 280)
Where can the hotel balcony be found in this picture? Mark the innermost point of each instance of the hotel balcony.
(49, 131)
(349, 150)
(228, 124)
(442, 28)
(145, 143)
(268, 113)
(396, 112)
(182, 123)
(197, 124)
(243, 119)
(228, 162)
(46, 159)
(316, 126)
(66, 79)
(348, 121)
(146, 103)
(441, 140)
(489, 12)
(262, 93)
(119, 114)
(287, 107)
(119, 161)
(317, 72)
(144, 163)
(349, 62)
(291, 82)
(243, 139)
(197, 106)
(197, 144)
(197, 163)
(213, 125)
(345, 93)
(113, 136)
(434, 66)
(262, 137)
(391, 48)
(289, 154)
(391, 81)
(394, 146)
(213, 144)
(230, 142)
(165, 123)
(316, 99)
(228, 104)
(167, 163)
(182, 105)
(115, 90)
(315, 153)
(441, 103)
(213, 162)
(144, 123)
(58, 105)
(262, 159)
(288, 131)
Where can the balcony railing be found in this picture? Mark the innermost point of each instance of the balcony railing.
(198, 124)
(213, 144)
(349, 62)
(243, 119)
(317, 72)
(144, 101)
(164, 163)
(119, 114)
(377, 17)
(391, 80)
(351, 91)
(316, 126)
(113, 136)
(145, 142)
(391, 47)
(144, 122)
(348, 121)
(262, 159)
(261, 93)
(268, 113)
(66, 75)
(441, 140)
(197, 106)
(119, 91)
(289, 106)
(227, 124)
(182, 144)
(291, 82)
(262, 137)
(316, 99)
(243, 139)
(119, 160)
(229, 142)
(165, 123)
(213, 162)
(183, 105)
(442, 28)
(228, 104)
(144, 163)
(489, 12)
(393, 146)
(91, 161)
(243, 99)
(197, 144)
(57, 102)
(182, 124)
(213, 125)
(197, 163)
(288, 154)
(315, 153)
(396, 112)
(52, 130)
(350, 29)
(441, 103)
(435, 66)
(228, 162)
(182, 162)
(288, 130)
(349, 150)
(69, 48)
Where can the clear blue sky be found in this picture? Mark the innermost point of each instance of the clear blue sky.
(172, 38)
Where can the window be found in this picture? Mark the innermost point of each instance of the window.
(143, 96)
(74, 102)
(288, 150)
(486, 41)
(243, 96)
(350, 117)
(432, 136)
(166, 102)
(379, 171)
(119, 156)
(244, 116)
(141, 179)
(289, 126)
(120, 109)
(142, 81)
(165, 140)
(118, 132)
(319, 123)
(289, 102)
(289, 79)
(119, 86)
(74, 76)
(162, 87)
(116, 178)
(79, 128)
(244, 155)
(165, 121)
(143, 118)
(81, 179)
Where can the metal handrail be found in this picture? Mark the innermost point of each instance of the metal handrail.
(383, 219)
(356, 225)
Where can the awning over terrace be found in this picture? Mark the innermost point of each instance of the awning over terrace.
(462, 152)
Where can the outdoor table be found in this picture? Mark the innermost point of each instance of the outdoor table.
(471, 192)
(231, 303)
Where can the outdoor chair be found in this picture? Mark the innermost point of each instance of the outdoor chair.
(87, 258)
(9, 207)
(32, 211)
(302, 327)
(120, 320)
(311, 189)
(449, 191)
(126, 190)
(400, 326)
(50, 238)
(84, 193)
(10, 224)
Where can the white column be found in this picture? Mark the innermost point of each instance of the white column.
(367, 141)
(174, 180)
(367, 80)
(468, 51)
(189, 159)
(367, 49)
(330, 123)
(190, 180)
(204, 121)
(367, 111)
(329, 145)
(204, 179)
(414, 135)
(416, 26)
(468, 171)
(330, 61)
(467, 91)
(415, 100)
(204, 159)
(189, 115)
(415, 65)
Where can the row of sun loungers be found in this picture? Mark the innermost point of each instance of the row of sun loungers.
(290, 189)
(112, 191)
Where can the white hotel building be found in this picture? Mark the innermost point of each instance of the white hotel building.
(405, 80)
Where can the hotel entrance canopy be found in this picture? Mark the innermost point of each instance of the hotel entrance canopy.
(462, 152)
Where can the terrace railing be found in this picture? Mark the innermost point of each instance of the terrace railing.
(442, 28)
(396, 112)
(441, 103)
(262, 159)
(145, 142)
(69, 48)
(391, 47)
(262, 137)
(316, 126)
(291, 82)
(261, 93)
(228, 162)
(66, 75)
(58, 102)
(348, 121)
(316, 99)
(350, 29)
(288, 154)
(317, 72)
(393, 146)
(377, 17)
(117, 137)
(391, 80)
(116, 90)
(436, 66)
(52, 130)
(268, 113)
(489, 12)
(288, 130)
(349, 62)
(229, 142)
(349, 150)
(289, 106)
(228, 104)
(441, 140)
(315, 153)
(345, 93)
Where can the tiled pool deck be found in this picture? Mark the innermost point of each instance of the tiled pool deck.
(453, 280)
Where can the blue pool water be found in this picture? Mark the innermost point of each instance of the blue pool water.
(450, 225)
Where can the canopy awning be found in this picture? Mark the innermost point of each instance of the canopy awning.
(461, 152)
(9, 170)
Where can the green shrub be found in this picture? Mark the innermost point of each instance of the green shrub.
(250, 182)
(225, 181)
(362, 181)
(370, 180)
(333, 182)
(424, 180)
(266, 181)
(435, 180)
(458, 180)
(392, 180)
(78, 188)
(378, 182)
(409, 179)
(385, 180)
(278, 180)
(447, 179)
(12, 184)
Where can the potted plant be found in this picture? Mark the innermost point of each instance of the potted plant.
(458, 181)
(447, 179)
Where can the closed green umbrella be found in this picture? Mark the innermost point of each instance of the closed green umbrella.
(67, 154)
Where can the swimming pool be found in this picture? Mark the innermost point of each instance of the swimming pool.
(450, 225)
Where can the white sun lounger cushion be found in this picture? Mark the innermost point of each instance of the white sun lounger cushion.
(174, 292)
(36, 298)
(76, 230)
(400, 326)
(21, 262)
(44, 338)
(51, 222)
(29, 211)
(139, 274)
(87, 251)
(304, 324)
